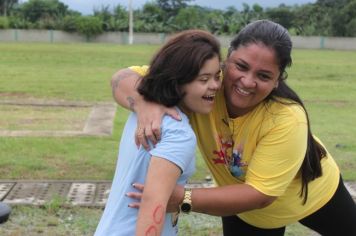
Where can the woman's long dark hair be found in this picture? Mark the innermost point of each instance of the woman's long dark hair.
(276, 37)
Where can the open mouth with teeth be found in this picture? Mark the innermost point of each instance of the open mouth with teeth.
(209, 97)
(244, 92)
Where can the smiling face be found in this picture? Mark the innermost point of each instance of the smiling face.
(251, 73)
(200, 93)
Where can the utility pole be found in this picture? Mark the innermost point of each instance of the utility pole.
(5, 10)
(130, 23)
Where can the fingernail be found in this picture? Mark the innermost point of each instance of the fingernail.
(133, 185)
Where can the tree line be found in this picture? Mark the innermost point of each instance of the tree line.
(322, 18)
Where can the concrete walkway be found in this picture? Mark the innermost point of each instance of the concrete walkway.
(73, 193)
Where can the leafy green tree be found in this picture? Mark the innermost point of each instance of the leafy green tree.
(6, 6)
(152, 18)
(344, 18)
(216, 22)
(4, 22)
(120, 19)
(172, 7)
(69, 23)
(105, 15)
(282, 15)
(89, 26)
(34, 10)
(196, 16)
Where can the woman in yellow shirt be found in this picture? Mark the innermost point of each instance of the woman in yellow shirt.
(270, 169)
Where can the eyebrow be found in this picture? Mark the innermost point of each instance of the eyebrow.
(218, 72)
(239, 60)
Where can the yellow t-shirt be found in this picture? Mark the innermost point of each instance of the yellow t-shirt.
(265, 149)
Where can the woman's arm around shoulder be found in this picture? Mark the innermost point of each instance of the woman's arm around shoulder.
(123, 84)
(124, 89)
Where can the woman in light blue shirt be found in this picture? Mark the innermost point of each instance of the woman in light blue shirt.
(185, 74)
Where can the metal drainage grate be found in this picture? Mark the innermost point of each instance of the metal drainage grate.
(89, 194)
(36, 193)
(81, 194)
(4, 189)
(39, 193)
(102, 194)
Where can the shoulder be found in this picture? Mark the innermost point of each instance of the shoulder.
(181, 128)
(283, 115)
(285, 109)
(178, 142)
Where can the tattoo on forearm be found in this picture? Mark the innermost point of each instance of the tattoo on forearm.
(151, 231)
(131, 102)
(158, 214)
(115, 84)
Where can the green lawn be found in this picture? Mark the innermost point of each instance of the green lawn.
(81, 72)
(326, 80)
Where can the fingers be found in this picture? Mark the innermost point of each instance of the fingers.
(149, 118)
(150, 135)
(156, 130)
(134, 205)
(140, 138)
(151, 132)
(136, 195)
(138, 186)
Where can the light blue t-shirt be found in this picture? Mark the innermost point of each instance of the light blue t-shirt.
(178, 145)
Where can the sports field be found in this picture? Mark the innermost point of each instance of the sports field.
(325, 80)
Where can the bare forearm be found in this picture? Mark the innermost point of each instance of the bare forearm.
(123, 84)
(228, 200)
(155, 196)
(151, 218)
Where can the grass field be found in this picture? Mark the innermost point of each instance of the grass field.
(326, 81)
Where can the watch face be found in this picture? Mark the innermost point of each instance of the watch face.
(185, 207)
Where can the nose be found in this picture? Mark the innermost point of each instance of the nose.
(215, 84)
(248, 81)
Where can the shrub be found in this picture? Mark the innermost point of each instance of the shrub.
(70, 23)
(89, 25)
(4, 22)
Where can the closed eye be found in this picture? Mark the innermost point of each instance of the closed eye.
(241, 66)
(264, 77)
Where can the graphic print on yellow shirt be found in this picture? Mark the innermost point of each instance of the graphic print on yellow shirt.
(232, 159)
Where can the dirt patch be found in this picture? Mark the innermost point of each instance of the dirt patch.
(24, 117)
(55, 118)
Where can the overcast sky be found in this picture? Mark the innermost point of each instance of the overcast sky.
(86, 6)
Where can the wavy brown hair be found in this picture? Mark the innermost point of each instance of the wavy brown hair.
(177, 63)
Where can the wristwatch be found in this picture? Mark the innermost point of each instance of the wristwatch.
(186, 205)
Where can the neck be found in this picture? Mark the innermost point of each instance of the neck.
(183, 109)
(234, 112)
